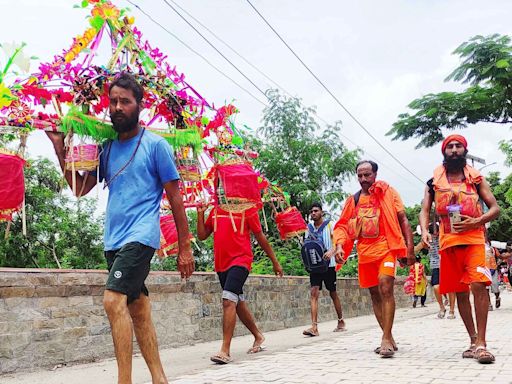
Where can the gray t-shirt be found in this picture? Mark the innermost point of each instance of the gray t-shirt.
(433, 253)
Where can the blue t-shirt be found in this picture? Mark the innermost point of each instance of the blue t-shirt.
(133, 207)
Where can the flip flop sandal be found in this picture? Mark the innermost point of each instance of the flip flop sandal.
(451, 316)
(219, 359)
(441, 314)
(483, 356)
(386, 352)
(256, 349)
(339, 329)
(310, 332)
(377, 350)
(469, 353)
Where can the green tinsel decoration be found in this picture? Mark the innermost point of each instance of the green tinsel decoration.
(87, 126)
(186, 137)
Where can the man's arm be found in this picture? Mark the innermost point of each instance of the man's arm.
(83, 183)
(203, 232)
(469, 223)
(263, 242)
(426, 206)
(185, 256)
(407, 233)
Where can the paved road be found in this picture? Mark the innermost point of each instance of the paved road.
(429, 352)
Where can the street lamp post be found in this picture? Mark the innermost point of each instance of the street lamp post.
(485, 166)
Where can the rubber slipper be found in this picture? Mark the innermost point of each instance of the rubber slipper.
(343, 329)
(310, 332)
(441, 314)
(469, 353)
(386, 352)
(483, 356)
(256, 349)
(219, 359)
(377, 350)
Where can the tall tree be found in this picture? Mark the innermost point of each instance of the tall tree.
(311, 164)
(501, 228)
(487, 67)
(60, 233)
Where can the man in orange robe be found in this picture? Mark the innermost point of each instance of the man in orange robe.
(375, 217)
(456, 189)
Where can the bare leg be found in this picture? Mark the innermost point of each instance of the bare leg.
(245, 315)
(337, 306)
(140, 311)
(116, 307)
(377, 304)
(377, 309)
(439, 298)
(466, 315)
(228, 326)
(386, 285)
(451, 300)
(481, 311)
(315, 293)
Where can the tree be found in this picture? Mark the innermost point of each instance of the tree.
(501, 228)
(60, 233)
(309, 163)
(486, 67)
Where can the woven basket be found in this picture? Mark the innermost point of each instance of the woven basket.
(189, 169)
(6, 215)
(290, 223)
(84, 157)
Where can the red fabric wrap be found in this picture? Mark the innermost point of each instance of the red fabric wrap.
(169, 234)
(461, 139)
(239, 181)
(289, 222)
(12, 184)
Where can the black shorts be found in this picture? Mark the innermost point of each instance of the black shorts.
(328, 277)
(128, 268)
(434, 280)
(232, 282)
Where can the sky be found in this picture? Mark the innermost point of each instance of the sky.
(375, 56)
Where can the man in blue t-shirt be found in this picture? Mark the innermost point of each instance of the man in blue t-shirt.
(136, 167)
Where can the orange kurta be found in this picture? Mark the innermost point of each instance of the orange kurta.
(390, 238)
(440, 182)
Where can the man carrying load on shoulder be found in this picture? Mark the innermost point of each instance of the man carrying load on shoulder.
(375, 217)
(456, 189)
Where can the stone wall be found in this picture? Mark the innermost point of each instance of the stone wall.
(49, 317)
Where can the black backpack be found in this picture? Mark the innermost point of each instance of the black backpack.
(313, 250)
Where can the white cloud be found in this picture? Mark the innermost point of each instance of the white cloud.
(376, 56)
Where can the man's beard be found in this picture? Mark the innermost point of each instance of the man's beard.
(127, 123)
(456, 163)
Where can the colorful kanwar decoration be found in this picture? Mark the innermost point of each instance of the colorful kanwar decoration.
(70, 94)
